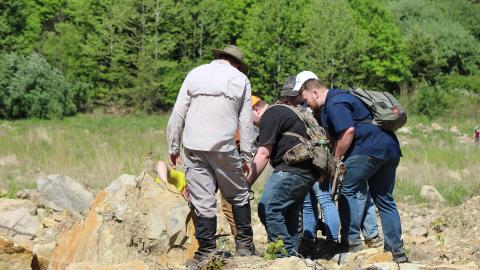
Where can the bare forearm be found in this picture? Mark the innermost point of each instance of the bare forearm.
(344, 142)
(259, 163)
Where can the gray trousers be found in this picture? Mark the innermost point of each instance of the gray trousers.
(205, 171)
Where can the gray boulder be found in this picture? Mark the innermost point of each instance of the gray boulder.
(431, 194)
(65, 193)
(20, 221)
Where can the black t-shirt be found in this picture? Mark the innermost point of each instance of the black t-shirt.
(275, 121)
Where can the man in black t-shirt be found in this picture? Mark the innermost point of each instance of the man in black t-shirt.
(286, 188)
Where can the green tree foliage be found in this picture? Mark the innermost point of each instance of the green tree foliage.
(385, 61)
(274, 43)
(425, 62)
(335, 44)
(32, 88)
(317, 35)
(136, 53)
(20, 26)
(464, 12)
(455, 45)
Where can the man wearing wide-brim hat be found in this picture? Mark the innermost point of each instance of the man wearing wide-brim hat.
(215, 100)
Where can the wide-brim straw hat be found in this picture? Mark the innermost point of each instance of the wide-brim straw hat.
(234, 52)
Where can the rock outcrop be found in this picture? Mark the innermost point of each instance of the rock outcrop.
(132, 219)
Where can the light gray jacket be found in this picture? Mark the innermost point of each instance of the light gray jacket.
(214, 101)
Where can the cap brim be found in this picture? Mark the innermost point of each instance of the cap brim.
(289, 93)
(243, 68)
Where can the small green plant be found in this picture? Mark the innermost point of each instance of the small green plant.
(438, 225)
(224, 242)
(275, 248)
(215, 264)
(440, 239)
(13, 188)
(407, 250)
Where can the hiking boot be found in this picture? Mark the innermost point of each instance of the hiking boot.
(307, 248)
(205, 229)
(196, 265)
(217, 258)
(327, 249)
(400, 256)
(243, 222)
(351, 248)
(374, 242)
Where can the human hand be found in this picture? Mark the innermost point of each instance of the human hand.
(250, 178)
(174, 160)
(321, 178)
(186, 194)
(246, 168)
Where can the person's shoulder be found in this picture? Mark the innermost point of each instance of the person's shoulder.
(197, 70)
(340, 97)
(276, 112)
(280, 109)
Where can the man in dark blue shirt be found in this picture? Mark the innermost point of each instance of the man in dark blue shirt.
(371, 156)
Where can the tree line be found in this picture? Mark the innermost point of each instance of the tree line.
(58, 57)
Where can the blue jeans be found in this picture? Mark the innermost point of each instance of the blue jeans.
(369, 223)
(279, 206)
(366, 174)
(320, 193)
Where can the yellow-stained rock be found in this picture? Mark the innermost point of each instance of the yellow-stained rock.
(132, 219)
(378, 258)
(14, 257)
(133, 265)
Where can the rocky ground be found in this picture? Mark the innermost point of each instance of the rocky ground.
(136, 223)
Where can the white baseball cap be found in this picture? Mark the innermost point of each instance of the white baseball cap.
(303, 77)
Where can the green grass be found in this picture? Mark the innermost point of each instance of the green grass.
(441, 157)
(95, 149)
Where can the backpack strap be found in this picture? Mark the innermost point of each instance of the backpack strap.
(300, 137)
(292, 108)
(350, 92)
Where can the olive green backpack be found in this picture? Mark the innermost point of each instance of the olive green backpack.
(387, 112)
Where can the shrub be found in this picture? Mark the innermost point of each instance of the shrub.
(455, 81)
(435, 101)
(30, 87)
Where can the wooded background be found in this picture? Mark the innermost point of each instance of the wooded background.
(59, 57)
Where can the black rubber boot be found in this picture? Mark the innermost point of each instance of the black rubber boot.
(205, 229)
(244, 238)
(307, 248)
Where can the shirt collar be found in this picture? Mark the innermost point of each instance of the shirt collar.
(220, 61)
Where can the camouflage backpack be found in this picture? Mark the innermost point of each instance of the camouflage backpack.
(315, 147)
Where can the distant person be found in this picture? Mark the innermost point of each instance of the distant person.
(171, 176)
(371, 156)
(286, 188)
(178, 179)
(214, 101)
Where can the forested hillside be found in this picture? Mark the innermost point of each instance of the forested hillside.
(59, 57)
